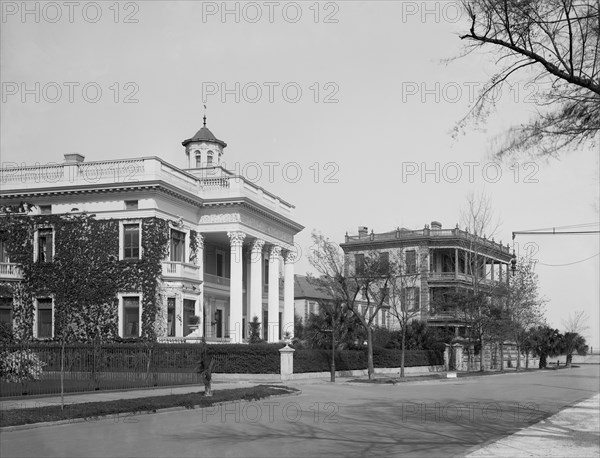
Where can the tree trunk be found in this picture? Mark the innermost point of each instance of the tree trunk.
(518, 357)
(542, 364)
(206, 377)
(62, 376)
(569, 359)
(527, 360)
(332, 357)
(370, 369)
(501, 357)
(481, 358)
(403, 349)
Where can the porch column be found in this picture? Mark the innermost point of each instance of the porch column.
(493, 277)
(256, 283)
(273, 307)
(236, 291)
(200, 303)
(288, 294)
(455, 263)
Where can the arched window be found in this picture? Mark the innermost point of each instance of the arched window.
(209, 159)
(198, 159)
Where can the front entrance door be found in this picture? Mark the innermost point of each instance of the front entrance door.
(219, 322)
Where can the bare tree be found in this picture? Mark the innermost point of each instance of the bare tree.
(475, 307)
(550, 43)
(577, 322)
(574, 338)
(525, 307)
(403, 302)
(364, 290)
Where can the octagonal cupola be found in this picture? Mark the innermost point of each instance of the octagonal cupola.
(203, 149)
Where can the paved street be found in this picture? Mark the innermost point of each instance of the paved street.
(445, 418)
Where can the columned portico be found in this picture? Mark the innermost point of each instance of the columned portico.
(236, 240)
(256, 283)
(273, 297)
(288, 294)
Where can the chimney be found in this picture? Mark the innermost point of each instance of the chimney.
(362, 231)
(74, 158)
(436, 225)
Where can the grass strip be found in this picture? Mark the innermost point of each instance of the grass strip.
(125, 408)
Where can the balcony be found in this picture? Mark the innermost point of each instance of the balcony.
(456, 236)
(10, 271)
(180, 271)
(215, 280)
(462, 277)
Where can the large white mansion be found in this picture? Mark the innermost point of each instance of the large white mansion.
(231, 243)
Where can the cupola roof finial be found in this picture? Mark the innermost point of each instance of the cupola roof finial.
(204, 116)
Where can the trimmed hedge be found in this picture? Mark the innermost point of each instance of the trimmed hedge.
(345, 360)
(139, 358)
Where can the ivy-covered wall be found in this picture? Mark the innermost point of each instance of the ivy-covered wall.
(84, 276)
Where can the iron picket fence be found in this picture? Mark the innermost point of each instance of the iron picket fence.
(88, 367)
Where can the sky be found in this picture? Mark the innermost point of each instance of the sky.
(344, 109)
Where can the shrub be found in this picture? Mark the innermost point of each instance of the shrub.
(6, 334)
(345, 360)
(20, 366)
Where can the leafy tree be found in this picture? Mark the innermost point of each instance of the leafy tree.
(545, 341)
(548, 42)
(573, 342)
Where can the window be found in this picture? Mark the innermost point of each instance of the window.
(359, 264)
(45, 209)
(171, 317)
(188, 313)
(6, 310)
(198, 159)
(220, 263)
(265, 325)
(384, 261)
(177, 246)
(411, 262)
(266, 273)
(44, 245)
(44, 318)
(383, 318)
(412, 299)
(131, 316)
(131, 241)
(280, 324)
(209, 159)
(3, 248)
(131, 205)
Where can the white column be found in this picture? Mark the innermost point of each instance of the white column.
(288, 294)
(200, 263)
(273, 306)
(236, 291)
(256, 284)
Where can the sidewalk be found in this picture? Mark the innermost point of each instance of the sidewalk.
(572, 432)
(219, 383)
(100, 396)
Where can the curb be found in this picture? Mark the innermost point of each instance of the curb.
(6, 429)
